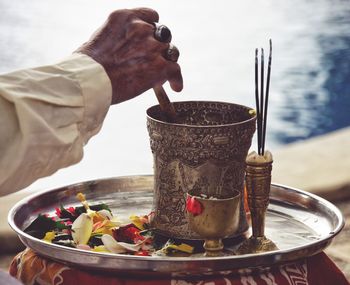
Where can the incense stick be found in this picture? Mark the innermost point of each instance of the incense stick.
(262, 100)
(266, 98)
(257, 98)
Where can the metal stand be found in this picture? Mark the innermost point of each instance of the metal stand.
(258, 181)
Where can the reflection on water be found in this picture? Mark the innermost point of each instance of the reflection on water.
(317, 96)
(310, 84)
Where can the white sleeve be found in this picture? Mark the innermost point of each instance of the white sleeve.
(47, 115)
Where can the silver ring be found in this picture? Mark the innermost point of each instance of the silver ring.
(172, 53)
(162, 33)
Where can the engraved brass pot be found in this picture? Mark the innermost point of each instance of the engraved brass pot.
(204, 150)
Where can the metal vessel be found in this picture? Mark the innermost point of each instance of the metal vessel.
(205, 149)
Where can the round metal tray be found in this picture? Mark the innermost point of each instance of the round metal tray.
(301, 224)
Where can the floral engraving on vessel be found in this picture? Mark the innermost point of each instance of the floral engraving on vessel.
(204, 152)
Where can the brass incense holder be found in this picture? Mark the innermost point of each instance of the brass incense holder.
(258, 182)
(259, 167)
(213, 219)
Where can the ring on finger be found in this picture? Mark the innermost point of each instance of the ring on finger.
(162, 33)
(172, 53)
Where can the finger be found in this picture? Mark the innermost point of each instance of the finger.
(139, 29)
(156, 48)
(159, 47)
(175, 77)
(146, 14)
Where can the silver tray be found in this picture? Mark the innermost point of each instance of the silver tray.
(301, 224)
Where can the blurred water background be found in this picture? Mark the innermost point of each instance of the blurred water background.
(310, 81)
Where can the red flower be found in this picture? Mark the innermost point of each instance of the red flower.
(128, 233)
(71, 210)
(142, 253)
(58, 212)
(193, 206)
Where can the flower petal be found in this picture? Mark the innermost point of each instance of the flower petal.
(193, 206)
(118, 247)
(106, 214)
(82, 229)
(49, 236)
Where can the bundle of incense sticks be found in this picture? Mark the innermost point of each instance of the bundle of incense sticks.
(262, 99)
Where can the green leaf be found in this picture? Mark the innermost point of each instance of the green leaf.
(95, 241)
(66, 214)
(80, 209)
(40, 226)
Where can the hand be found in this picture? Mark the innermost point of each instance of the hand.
(133, 59)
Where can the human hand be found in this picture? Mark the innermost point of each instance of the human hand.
(133, 59)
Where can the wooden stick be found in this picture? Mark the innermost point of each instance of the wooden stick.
(165, 105)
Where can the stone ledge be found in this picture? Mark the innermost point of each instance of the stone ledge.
(320, 165)
(10, 243)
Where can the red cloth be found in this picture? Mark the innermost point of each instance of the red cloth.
(316, 270)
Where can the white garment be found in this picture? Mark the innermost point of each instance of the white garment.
(47, 115)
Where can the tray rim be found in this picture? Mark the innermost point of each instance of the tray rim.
(319, 245)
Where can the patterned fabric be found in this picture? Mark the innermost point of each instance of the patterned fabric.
(32, 269)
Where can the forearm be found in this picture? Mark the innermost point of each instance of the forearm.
(47, 115)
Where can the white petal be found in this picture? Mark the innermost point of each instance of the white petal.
(118, 247)
(106, 214)
(82, 229)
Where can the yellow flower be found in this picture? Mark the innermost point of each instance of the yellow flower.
(104, 227)
(81, 197)
(181, 247)
(100, 248)
(138, 222)
(169, 248)
(49, 236)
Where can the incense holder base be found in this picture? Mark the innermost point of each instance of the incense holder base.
(256, 245)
